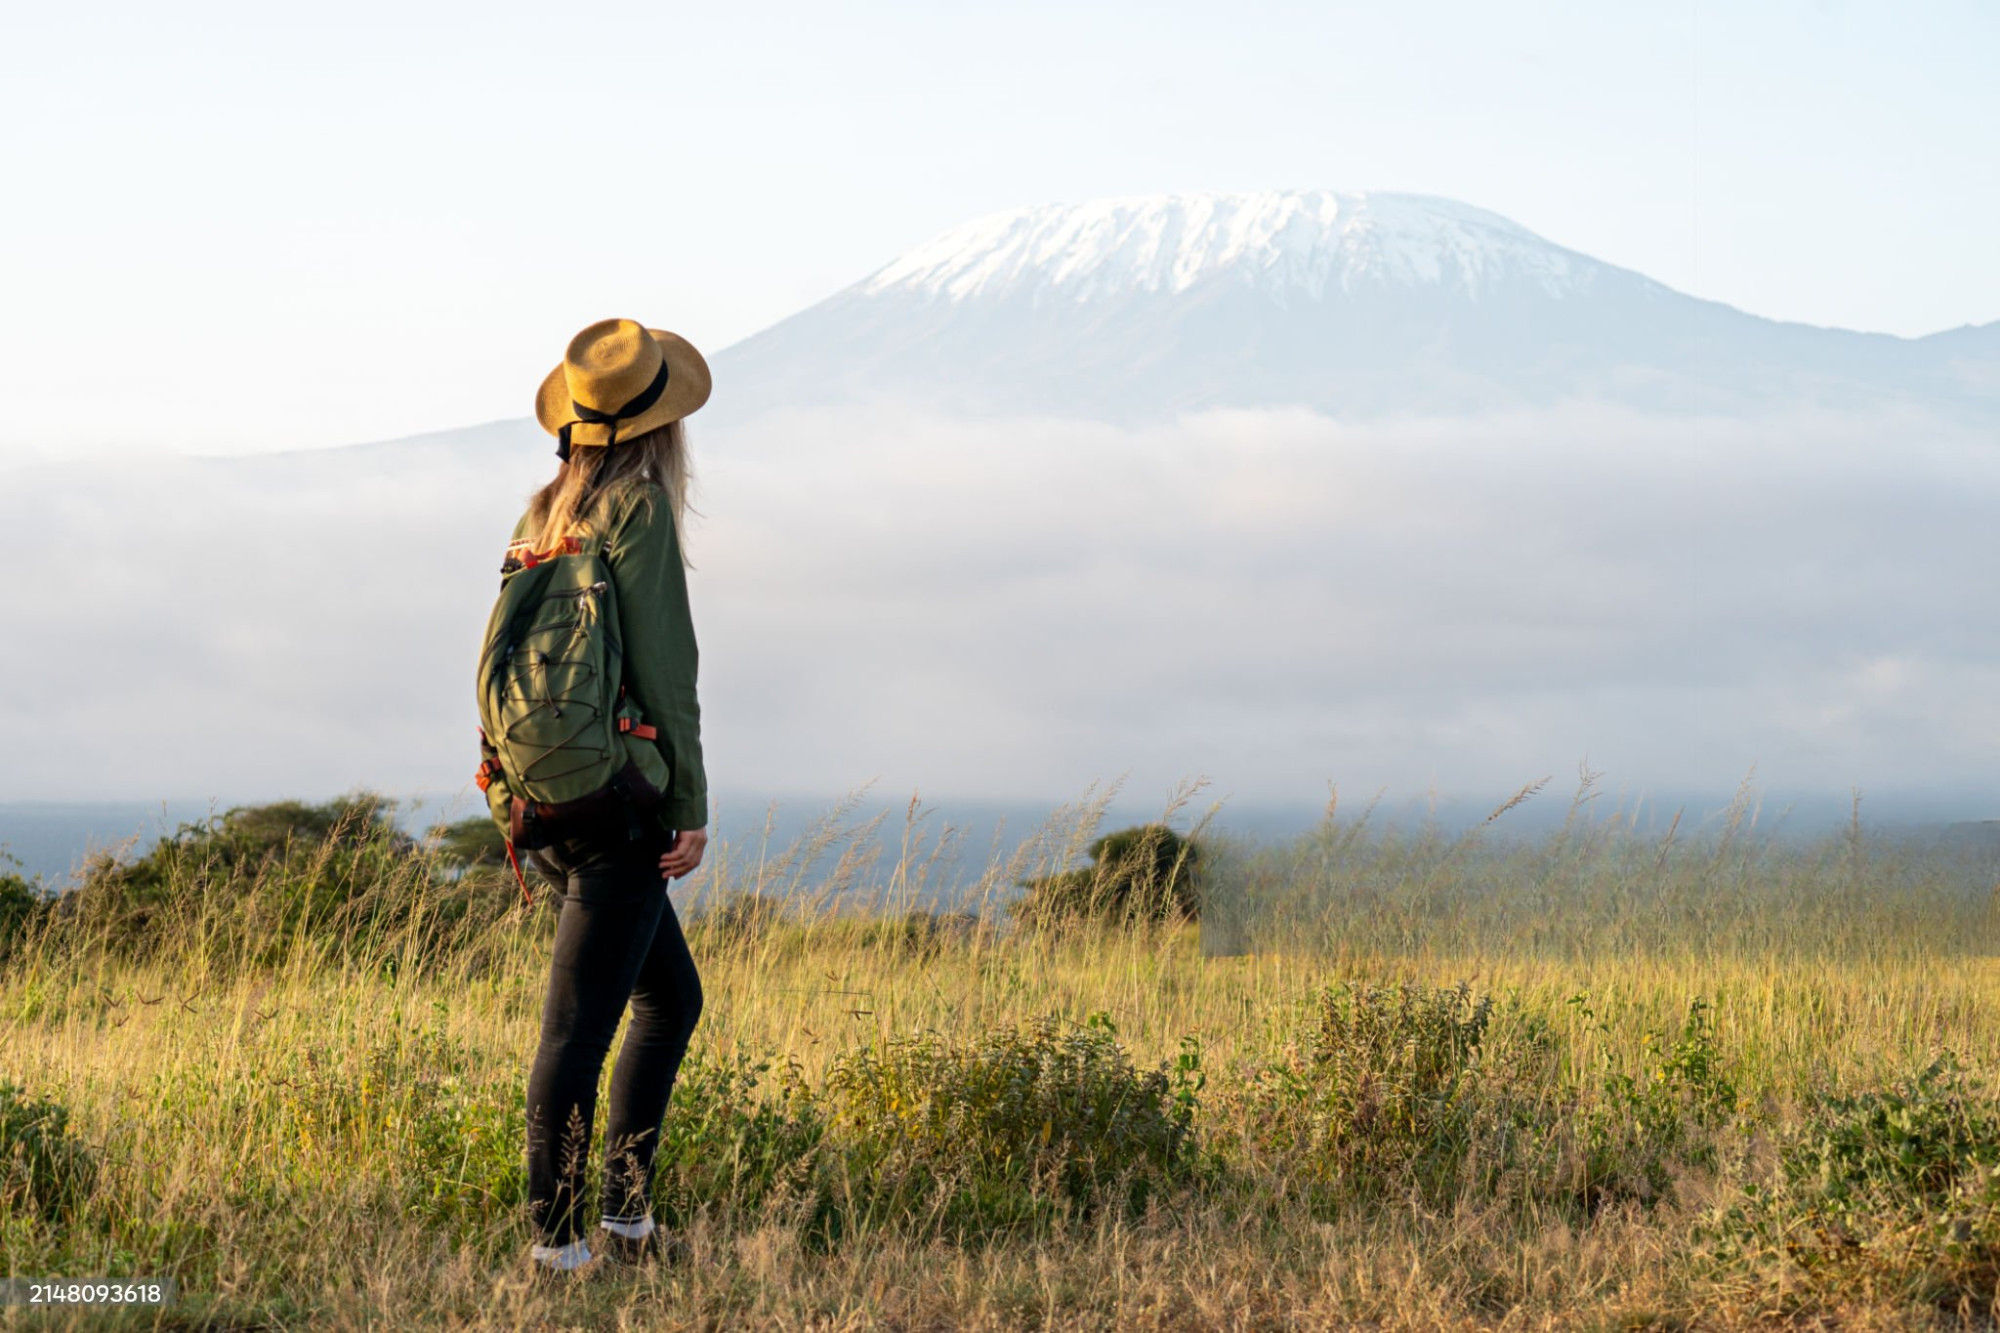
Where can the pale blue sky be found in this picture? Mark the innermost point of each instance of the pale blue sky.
(244, 226)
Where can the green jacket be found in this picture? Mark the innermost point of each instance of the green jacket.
(658, 636)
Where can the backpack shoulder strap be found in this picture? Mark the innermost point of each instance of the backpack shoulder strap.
(524, 554)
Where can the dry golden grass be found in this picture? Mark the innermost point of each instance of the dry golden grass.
(304, 1141)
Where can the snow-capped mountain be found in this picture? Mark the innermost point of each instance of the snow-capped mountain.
(1291, 247)
(1356, 305)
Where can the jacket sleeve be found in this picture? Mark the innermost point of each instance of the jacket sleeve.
(657, 632)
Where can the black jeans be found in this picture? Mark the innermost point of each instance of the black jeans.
(618, 940)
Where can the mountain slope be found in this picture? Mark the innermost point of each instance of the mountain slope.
(1356, 305)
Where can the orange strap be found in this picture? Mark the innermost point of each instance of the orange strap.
(527, 898)
(530, 558)
(639, 729)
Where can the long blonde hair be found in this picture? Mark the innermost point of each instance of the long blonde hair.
(594, 479)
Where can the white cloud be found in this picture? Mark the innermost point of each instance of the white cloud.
(1017, 608)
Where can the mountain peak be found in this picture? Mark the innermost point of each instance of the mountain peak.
(1355, 305)
(1287, 244)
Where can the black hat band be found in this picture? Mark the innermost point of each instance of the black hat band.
(591, 416)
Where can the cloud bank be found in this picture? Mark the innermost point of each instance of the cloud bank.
(1013, 609)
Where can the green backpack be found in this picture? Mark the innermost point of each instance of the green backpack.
(563, 747)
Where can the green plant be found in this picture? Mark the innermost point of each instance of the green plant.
(1145, 873)
(462, 1144)
(1883, 1189)
(727, 1144)
(1010, 1129)
(918, 934)
(44, 1168)
(22, 903)
(470, 842)
(1379, 1091)
(741, 918)
(1908, 1146)
(1649, 1123)
(451, 1141)
(262, 883)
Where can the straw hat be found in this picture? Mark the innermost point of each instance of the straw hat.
(619, 380)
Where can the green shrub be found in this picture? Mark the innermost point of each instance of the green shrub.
(726, 1145)
(1379, 1092)
(470, 843)
(919, 934)
(1908, 1146)
(1884, 1189)
(1648, 1125)
(1390, 1089)
(44, 1169)
(312, 854)
(740, 918)
(260, 832)
(454, 1141)
(1144, 873)
(22, 904)
(258, 883)
(1009, 1130)
(461, 1141)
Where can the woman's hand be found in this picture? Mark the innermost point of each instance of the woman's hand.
(682, 858)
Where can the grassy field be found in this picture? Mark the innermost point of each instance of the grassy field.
(1416, 1080)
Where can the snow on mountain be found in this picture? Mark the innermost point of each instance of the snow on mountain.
(1354, 305)
(1294, 245)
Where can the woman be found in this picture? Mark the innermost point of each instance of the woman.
(616, 406)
